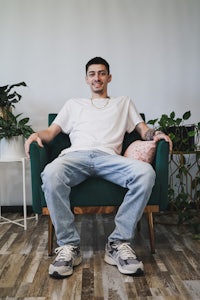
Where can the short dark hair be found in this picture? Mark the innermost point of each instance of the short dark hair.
(97, 61)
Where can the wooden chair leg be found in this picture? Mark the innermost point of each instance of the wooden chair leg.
(149, 209)
(151, 231)
(50, 237)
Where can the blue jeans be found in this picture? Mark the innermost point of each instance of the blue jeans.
(74, 167)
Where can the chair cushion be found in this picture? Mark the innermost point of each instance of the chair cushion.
(142, 150)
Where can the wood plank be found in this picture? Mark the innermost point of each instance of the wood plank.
(172, 273)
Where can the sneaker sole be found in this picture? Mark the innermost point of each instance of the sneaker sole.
(57, 275)
(138, 270)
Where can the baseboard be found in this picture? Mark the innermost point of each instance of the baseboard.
(16, 209)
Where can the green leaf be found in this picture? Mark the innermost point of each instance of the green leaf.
(191, 133)
(22, 122)
(152, 122)
(186, 115)
(16, 84)
(172, 115)
(178, 121)
(172, 136)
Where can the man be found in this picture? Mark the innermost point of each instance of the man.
(96, 127)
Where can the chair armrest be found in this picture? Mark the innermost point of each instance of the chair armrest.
(39, 157)
(161, 160)
(161, 166)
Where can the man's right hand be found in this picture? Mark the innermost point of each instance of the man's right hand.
(32, 138)
(46, 136)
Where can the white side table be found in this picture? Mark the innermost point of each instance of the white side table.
(4, 220)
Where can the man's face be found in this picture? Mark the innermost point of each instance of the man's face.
(97, 78)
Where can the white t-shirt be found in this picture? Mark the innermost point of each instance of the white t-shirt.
(91, 127)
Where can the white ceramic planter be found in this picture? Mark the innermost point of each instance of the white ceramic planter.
(12, 148)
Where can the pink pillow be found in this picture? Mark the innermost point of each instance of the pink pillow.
(142, 150)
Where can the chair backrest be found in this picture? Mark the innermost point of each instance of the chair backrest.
(62, 140)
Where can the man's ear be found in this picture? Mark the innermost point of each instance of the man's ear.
(109, 78)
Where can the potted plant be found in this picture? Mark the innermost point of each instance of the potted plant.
(184, 163)
(8, 97)
(185, 137)
(13, 130)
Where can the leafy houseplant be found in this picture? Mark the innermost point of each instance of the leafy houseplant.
(184, 183)
(11, 126)
(184, 137)
(13, 130)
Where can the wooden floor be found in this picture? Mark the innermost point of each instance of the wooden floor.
(172, 273)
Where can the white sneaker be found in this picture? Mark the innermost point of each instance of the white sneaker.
(121, 254)
(68, 256)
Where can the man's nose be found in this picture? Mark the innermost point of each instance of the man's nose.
(96, 77)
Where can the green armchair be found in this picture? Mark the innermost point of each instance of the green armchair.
(97, 191)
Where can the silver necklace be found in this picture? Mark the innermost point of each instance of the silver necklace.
(102, 107)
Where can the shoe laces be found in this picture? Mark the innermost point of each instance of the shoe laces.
(65, 253)
(125, 250)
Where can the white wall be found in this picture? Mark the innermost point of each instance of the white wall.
(152, 46)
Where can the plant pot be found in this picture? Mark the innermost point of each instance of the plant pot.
(12, 148)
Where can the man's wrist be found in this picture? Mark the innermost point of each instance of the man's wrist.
(150, 133)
